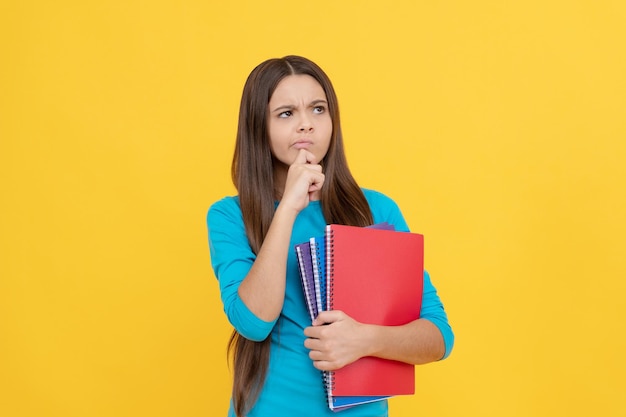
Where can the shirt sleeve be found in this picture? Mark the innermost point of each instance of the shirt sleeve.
(433, 311)
(384, 209)
(231, 258)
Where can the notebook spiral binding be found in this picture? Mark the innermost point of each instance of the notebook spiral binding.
(330, 270)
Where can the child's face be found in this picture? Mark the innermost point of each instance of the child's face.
(299, 119)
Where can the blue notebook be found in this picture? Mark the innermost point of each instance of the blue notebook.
(318, 251)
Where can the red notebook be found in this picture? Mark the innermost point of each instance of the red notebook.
(376, 277)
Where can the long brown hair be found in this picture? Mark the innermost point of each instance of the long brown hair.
(341, 198)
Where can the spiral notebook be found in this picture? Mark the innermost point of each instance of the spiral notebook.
(305, 264)
(312, 258)
(376, 277)
(319, 274)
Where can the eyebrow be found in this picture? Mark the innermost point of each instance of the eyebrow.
(286, 107)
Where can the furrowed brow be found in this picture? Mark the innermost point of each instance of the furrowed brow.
(283, 108)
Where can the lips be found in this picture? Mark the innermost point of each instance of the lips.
(303, 144)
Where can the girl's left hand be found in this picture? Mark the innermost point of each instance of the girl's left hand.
(336, 340)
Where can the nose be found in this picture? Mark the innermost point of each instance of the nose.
(305, 124)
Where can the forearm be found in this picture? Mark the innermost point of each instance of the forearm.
(263, 289)
(418, 342)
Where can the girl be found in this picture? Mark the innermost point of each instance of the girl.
(292, 179)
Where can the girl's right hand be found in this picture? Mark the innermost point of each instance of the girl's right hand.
(304, 181)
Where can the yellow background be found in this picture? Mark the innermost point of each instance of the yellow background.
(499, 128)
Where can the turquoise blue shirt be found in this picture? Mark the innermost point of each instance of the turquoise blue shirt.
(293, 386)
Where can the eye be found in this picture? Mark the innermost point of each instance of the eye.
(285, 114)
(319, 109)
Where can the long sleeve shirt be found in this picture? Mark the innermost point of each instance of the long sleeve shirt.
(293, 387)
